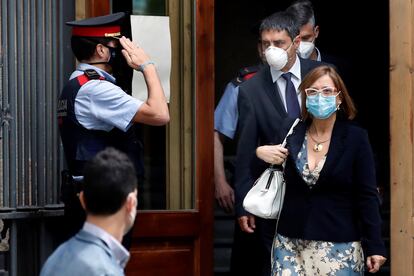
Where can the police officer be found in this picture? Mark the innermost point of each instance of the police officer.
(94, 112)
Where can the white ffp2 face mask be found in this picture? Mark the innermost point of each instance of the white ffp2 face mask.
(276, 57)
(305, 49)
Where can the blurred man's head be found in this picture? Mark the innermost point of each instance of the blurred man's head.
(302, 11)
(110, 186)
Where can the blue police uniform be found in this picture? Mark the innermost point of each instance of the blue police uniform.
(226, 114)
(101, 104)
(94, 113)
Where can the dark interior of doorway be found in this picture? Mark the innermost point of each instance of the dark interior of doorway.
(357, 33)
(151, 139)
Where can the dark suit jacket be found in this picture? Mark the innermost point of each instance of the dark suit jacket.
(261, 113)
(343, 205)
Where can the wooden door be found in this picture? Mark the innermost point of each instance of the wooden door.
(401, 140)
(181, 242)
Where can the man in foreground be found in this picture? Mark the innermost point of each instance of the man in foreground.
(109, 199)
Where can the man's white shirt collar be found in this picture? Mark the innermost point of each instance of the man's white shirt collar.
(295, 70)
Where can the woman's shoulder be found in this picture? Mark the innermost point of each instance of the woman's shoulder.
(351, 126)
(353, 131)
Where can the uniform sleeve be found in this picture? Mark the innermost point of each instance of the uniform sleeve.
(102, 102)
(226, 113)
(368, 200)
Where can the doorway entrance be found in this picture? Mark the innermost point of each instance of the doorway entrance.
(360, 45)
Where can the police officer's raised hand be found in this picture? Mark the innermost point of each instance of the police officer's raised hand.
(154, 111)
(134, 55)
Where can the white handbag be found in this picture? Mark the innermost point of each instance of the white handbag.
(265, 198)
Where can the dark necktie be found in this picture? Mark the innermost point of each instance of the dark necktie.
(292, 103)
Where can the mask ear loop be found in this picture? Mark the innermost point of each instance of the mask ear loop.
(289, 58)
(289, 46)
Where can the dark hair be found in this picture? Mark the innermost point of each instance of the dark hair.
(347, 106)
(84, 47)
(302, 11)
(108, 179)
(281, 21)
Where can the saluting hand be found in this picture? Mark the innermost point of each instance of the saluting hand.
(133, 54)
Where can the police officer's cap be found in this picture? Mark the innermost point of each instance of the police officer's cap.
(101, 26)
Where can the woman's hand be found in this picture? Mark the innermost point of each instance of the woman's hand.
(374, 263)
(275, 154)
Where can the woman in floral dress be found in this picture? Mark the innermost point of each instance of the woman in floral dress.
(330, 217)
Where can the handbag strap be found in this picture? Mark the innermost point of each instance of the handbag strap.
(297, 120)
(290, 132)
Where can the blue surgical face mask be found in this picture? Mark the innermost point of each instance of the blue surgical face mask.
(321, 107)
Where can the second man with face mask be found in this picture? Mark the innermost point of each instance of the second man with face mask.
(264, 102)
(302, 10)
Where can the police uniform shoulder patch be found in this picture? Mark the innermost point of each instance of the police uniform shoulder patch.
(245, 73)
(92, 74)
(88, 74)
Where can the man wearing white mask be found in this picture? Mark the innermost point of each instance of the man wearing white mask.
(109, 198)
(264, 102)
(303, 12)
(304, 15)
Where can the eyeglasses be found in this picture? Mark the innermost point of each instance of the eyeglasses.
(326, 91)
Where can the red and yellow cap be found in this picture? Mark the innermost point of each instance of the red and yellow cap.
(101, 26)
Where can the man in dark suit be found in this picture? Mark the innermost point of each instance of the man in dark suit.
(264, 102)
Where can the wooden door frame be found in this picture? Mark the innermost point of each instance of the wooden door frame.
(401, 139)
(401, 136)
(198, 223)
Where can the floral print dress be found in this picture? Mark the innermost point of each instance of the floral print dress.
(308, 257)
